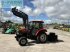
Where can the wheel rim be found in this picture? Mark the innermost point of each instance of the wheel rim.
(23, 41)
(43, 37)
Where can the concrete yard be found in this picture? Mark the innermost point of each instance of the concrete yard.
(9, 44)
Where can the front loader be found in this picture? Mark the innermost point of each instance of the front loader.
(33, 30)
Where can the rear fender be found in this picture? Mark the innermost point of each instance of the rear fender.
(40, 31)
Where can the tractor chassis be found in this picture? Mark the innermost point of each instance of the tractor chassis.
(51, 37)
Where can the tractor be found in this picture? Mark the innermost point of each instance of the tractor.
(33, 30)
(8, 28)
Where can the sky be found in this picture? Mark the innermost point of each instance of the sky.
(50, 11)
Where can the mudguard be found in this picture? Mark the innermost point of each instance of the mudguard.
(40, 31)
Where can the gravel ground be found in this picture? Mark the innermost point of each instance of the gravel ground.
(9, 44)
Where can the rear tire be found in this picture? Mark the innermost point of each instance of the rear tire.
(42, 38)
(22, 41)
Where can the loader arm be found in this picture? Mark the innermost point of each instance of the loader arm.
(22, 15)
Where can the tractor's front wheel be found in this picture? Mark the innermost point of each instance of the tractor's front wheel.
(22, 41)
(42, 38)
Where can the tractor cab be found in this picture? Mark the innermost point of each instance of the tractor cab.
(36, 24)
